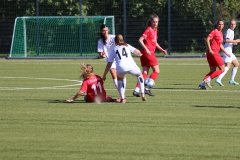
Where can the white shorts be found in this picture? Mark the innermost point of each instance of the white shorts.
(227, 59)
(113, 64)
(135, 72)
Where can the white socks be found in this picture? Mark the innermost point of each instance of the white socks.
(223, 74)
(234, 72)
(141, 83)
(124, 82)
(115, 83)
(121, 88)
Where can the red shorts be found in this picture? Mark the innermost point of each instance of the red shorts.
(214, 60)
(148, 60)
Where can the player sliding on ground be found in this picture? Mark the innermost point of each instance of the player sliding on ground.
(124, 64)
(92, 85)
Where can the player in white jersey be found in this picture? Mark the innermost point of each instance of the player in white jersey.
(124, 64)
(228, 46)
(105, 45)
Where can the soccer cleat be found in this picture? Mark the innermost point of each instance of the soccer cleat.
(147, 91)
(233, 82)
(202, 87)
(218, 81)
(136, 94)
(207, 83)
(120, 100)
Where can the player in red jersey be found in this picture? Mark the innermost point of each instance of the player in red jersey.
(92, 85)
(148, 41)
(214, 44)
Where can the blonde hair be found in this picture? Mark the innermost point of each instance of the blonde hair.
(119, 40)
(229, 23)
(87, 71)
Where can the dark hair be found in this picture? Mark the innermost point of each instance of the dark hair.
(119, 40)
(104, 39)
(215, 26)
(152, 16)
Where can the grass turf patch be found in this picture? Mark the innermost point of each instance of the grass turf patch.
(180, 122)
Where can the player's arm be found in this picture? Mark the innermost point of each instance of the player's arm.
(224, 51)
(100, 49)
(134, 50)
(232, 41)
(208, 41)
(141, 39)
(161, 49)
(78, 94)
(108, 66)
(137, 52)
(102, 54)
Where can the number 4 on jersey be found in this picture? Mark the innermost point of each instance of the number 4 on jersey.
(124, 53)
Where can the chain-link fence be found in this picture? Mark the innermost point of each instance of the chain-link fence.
(183, 25)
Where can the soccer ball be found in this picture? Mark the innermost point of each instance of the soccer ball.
(149, 82)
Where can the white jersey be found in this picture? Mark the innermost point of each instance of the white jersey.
(228, 46)
(123, 57)
(229, 35)
(108, 47)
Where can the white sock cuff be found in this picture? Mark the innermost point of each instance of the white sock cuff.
(226, 68)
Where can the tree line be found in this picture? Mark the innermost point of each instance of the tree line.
(191, 20)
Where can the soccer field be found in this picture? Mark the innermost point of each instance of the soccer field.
(180, 122)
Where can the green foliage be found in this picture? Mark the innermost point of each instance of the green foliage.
(195, 16)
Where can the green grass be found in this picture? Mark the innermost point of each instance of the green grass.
(180, 122)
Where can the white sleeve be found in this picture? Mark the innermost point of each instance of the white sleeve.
(228, 34)
(132, 49)
(111, 56)
(100, 47)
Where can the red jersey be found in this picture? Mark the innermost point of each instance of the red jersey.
(93, 86)
(150, 39)
(216, 37)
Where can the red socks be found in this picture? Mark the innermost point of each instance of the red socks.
(154, 75)
(213, 74)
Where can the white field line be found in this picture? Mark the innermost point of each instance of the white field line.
(186, 90)
(80, 83)
(104, 63)
(55, 79)
(154, 90)
(52, 79)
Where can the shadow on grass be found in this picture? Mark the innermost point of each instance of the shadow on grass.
(63, 101)
(218, 107)
(172, 88)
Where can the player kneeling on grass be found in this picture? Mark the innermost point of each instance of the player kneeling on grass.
(92, 85)
(124, 64)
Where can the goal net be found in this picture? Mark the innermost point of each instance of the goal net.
(61, 37)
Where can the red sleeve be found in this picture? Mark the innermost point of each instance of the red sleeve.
(211, 34)
(84, 86)
(145, 33)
